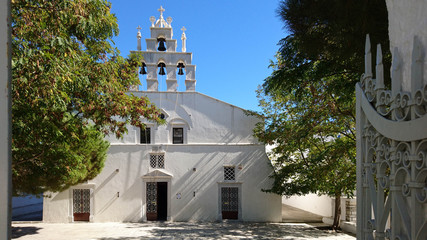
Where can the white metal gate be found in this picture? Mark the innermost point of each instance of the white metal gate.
(392, 151)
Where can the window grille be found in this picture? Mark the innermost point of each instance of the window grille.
(161, 161)
(81, 200)
(157, 160)
(229, 173)
(178, 136)
(153, 161)
(145, 136)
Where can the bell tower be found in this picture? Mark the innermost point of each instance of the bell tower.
(162, 59)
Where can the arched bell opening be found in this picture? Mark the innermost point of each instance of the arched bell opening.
(161, 75)
(143, 72)
(161, 44)
(181, 75)
(181, 68)
(162, 68)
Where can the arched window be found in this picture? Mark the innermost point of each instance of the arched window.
(179, 129)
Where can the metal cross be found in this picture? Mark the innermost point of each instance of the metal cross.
(183, 29)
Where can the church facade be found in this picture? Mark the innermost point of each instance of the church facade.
(202, 165)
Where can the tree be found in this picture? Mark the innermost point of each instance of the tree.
(69, 89)
(308, 101)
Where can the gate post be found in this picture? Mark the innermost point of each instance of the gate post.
(5, 121)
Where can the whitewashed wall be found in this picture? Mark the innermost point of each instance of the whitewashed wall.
(207, 120)
(218, 134)
(320, 205)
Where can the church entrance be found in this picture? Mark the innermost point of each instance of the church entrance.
(81, 204)
(230, 202)
(157, 201)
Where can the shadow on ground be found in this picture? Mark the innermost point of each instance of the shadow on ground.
(231, 230)
(18, 232)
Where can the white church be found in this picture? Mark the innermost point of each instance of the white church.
(203, 165)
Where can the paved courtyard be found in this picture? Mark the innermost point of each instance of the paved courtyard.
(175, 230)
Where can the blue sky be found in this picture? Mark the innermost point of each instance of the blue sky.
(232, 41)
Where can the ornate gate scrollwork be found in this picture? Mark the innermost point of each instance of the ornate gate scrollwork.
(151, 201)
(392, 151)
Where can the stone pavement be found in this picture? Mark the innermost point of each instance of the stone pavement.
(172, 230)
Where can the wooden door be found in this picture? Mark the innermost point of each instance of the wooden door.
(81, 204)
(230, 202)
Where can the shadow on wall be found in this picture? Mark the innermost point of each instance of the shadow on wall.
(229, 137)
(193, 185)
(132, 162)
(209, 172)
(128, 196)
(111, 200)
(106, 180)
(198, 189)
(251, 166)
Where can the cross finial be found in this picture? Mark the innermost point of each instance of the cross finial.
(138, 34)
(161, 10)
(183, 38)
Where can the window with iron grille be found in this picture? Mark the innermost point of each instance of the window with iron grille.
(157, 160)
(229, 173)
(145, 136)
(178, 136)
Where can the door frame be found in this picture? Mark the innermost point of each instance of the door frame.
(91, 187)
(156, 176)
(237, 185)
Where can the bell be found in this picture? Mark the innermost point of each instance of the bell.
(161, 47)
(180, 72)
(180, 66)
(143, 69)
(162, 71)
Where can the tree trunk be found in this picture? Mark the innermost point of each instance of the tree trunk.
(337, 212)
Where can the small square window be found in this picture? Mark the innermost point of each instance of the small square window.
(229, 173)
(157, 160)
(178, 136)
(145, 136)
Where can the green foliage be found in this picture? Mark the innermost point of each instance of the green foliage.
(67, 163)
(328, 36)
(308, 101)
(313, 136)
(69, 89)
